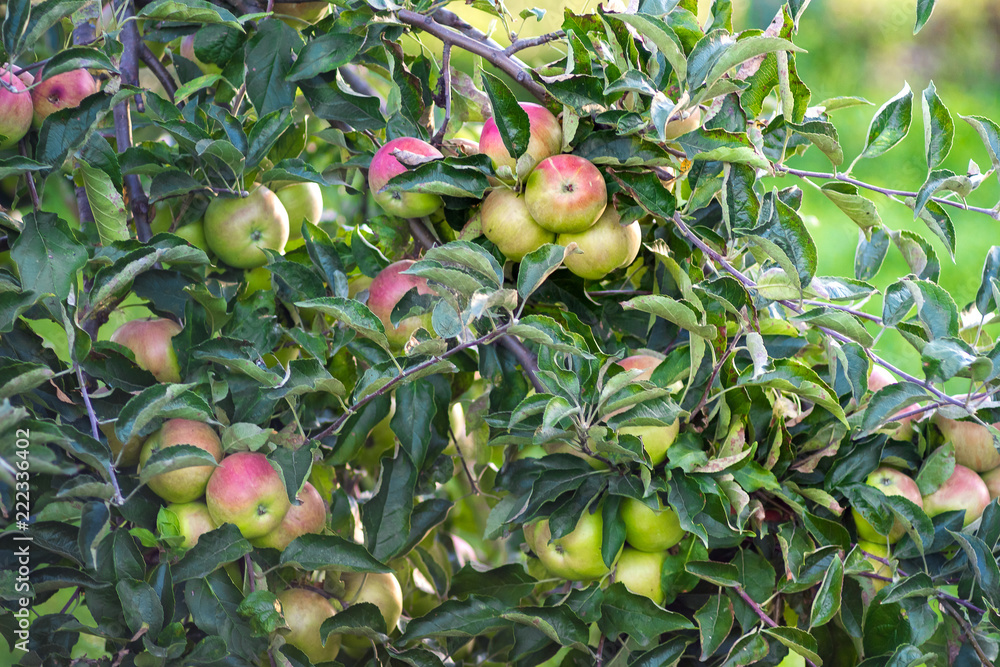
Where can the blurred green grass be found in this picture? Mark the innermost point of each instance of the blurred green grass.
(867, 48)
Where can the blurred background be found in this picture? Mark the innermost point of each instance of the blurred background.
(867, 48)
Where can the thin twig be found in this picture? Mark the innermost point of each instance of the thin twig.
(32, 192)
(159, 71)
(889, 192)
(420, 234)
(969, 633)
(445, 93)
(118, 499)
(494, 56)
(453, 20)
(526, 359)
(520, 44)
(768, 621)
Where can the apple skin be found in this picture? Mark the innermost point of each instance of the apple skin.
(193, 520)
(63, 91)
(545, 140)
(383, 591)
(385, 291)
(681, 126)
(304, 613)
(891, 482)
(575, 556)
(246, 491)
(973, 443)
(130, 455)
(879, 378)
(964, 490)
(649, 530)
(882, 551)
(16, 111)
(185, 484)
(605, 245)
(307, 517)
(150, 343)
(507, 223)
(640, 572)
(302, 202)
(310, 12)
(237, 230)
(633, 238)
(566, 194)
(656, 440)
(384, 166)
(194, 234)
(793, 659)
(647, 363)
(992, 480)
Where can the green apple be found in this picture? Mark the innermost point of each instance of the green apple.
(793, 659)
(656, 440)
(298, 14)
(964, 490)
(687, 122)
(150, 343)
(185, 484)
(507, 223)
(576, 555)
(187, 520)
(62, 91)
(973, 442)
(566, 194)
(380, 589)
(121, 455)
(545, 138)
(384, 166)
(302, 201)
(640, 572)
(309, 516)
(194, 234)
(16, 110)
(882, 551)
(388, 288)
(246, 491)
(304, 613)
(992, 479)
(237, 230)
(648, 529)
(603, 247)
(892, 483)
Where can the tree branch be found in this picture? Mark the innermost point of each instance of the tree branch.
(526, 359)
(420, 234)
(768, 621)
(445, 93)
(117, 499)
(521, 44)
(494, 56)
(32, 191)
(158, 70)
(969, 633)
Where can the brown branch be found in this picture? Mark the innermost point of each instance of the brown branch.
(520, 44)
(129, 67)
(526, 359)
(968, 631)
(494, 56)
(768, 621)
(117, 499)
(420, 234)
(158, 70)
(32, 191)
(453, 20)
(445, 93)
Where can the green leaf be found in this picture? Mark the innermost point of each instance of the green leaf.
(269, 54)
(919, 255)
(441, 177)
(189, 11)
(261, 608)
(722, 146)
(361, 619)
(295, 465)
(325, 53)
(317, 552)
(511, 119)
(794, 377)
(797, 640)
(175, 457)
(936, 469)
(21, 378)
(458, 618)
(140, 605)
(715, 620)
(749, 649)
(15, 24)
(214, 602)
(935, 308)
(214, 549)
(888, 401)
(824, 136)
(44, 16)
(265, 134)
(826, 604)
(846, 197)
(678, 312)
(871, 253)
(720, 574)
(470, 256)
(839, 321)
(352, 313)
(47, 255)
(78, 57)
(941, 179)
(537, 266)
(744, 49)
(386, 516)
(982, 562)
(17, 165)
(890, 124)
(655, 31)
(508, 582)
(623, 612)
(330, 101)
(142, 413)
(939, 128)
(924, 9)
(989, 132)
(106, 203)
(985, 299)
(783, 236)
(944, 358)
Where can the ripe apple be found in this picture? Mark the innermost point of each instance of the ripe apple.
(974, 446)
(964, 490)
(576, 555)
(879, 378)
(882, 551)
(304, 613)
(246, 491)
(605, 246)
(508, 224)
(545, 140)
(385, 165)
(656, 440)
(307, 517)
(237, 230)
(650, 530)
(891, 482)
(566, 194)
(15, 110)
(309, 12)
(190, 520)
(992, 479)
(185, 484)
(302, 201)
(389, 286)
(640, 572)
(645, 362)
(62, 91)
(383, 591)
(149, 341)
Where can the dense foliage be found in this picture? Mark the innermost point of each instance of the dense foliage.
(532, 457)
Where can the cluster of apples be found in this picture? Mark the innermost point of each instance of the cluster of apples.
(564, 199)
(245, 490)
(24, 103)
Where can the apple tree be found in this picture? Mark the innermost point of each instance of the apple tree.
(336, 333)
